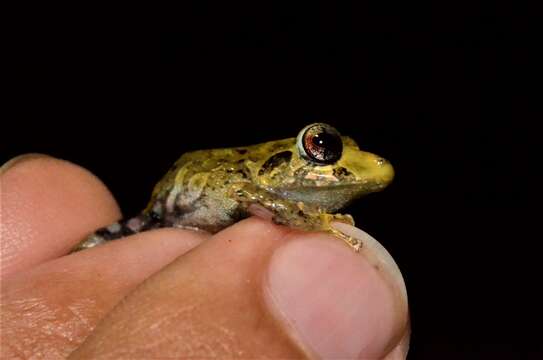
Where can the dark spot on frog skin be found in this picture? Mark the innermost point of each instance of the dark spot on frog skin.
(241, 151)
(274, 161)
(243, 174)
(341, 172)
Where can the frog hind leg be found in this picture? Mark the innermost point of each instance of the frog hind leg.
(117, 230)
(294, 214)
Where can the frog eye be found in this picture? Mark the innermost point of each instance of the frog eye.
(320, 143)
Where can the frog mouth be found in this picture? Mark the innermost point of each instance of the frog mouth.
(362, 185)
(370, 178)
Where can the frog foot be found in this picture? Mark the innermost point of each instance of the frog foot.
(327, 219)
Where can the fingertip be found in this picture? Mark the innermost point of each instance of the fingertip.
(20, 159)
(48, 205)
(333, 301)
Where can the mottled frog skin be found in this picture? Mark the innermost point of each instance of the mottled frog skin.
(300, 182)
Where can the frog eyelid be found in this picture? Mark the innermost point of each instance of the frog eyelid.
(300, 145)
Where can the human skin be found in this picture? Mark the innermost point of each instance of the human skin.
(253, 290)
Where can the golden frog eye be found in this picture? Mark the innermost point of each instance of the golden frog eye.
(320, 143)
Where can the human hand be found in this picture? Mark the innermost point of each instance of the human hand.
(252, 290)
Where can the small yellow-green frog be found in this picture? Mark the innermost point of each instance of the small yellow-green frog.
(301, 182)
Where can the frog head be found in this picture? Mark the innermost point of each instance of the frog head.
(319, 167)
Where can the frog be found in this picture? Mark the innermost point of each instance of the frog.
(300, 182)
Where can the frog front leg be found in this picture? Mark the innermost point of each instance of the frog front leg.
(293, 214)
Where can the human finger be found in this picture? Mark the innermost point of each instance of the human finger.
(47, 206)
(49, 310)
(259, 290)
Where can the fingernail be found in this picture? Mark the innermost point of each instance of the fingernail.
(19, 159)
(333, 301)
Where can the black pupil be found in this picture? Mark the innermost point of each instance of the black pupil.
(330, 146)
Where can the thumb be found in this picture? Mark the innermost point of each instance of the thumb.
(336, 303)
(260, 290)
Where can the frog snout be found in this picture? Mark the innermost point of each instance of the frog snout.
(384, 172)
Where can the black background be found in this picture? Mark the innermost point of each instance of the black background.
(442, 92)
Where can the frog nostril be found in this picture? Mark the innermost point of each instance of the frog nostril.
(381, 161)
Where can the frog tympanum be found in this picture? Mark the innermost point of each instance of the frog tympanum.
(300, 182)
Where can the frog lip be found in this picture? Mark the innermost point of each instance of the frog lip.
(365, 186)
(369, 185)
